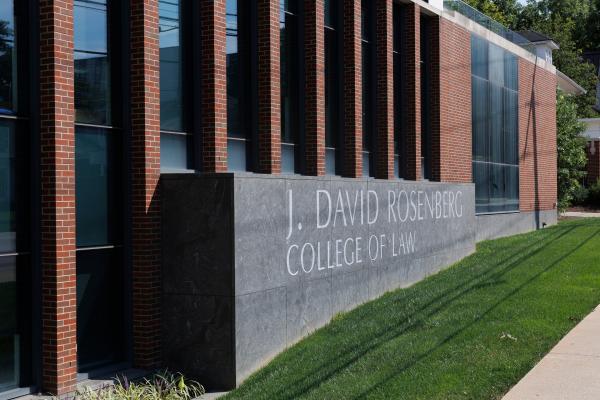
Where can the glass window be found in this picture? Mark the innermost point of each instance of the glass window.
(495, 127)
(425, 100)
(175, 138)
(171, 85)
(8, 58)
(238, 85)
(368, 83)
(397, 45)
(8, 229)
(95, 183)
(332, 86)
(99, 297)
(9, 337)
(289, 85)
(92, 76)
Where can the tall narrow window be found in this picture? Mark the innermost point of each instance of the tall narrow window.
(239, 126)
(425, 100)
(398, 125)
(368, 87)
(290, 63)
(332, 86)
(175, 136)
(495, 83)
(98, 146)
(15, 268)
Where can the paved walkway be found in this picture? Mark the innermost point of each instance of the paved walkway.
(571, 371)
(580, 214)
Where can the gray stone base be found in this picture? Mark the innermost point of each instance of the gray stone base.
(492, 226)
(253, 263)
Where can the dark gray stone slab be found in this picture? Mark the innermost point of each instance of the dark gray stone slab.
(492, 226)
(252, 263)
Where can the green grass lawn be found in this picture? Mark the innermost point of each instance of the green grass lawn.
(443, 338)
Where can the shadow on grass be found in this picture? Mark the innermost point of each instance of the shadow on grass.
(370, 327)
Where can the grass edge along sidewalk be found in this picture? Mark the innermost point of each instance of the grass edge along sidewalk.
(469, 332)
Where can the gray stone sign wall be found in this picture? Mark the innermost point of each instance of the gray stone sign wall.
(252, 263)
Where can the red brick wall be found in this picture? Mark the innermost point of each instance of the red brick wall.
(214, 86)
(314, 43)
(384, 152)
(57, 138)
(411, 89)
(269, 87)
(593, 166)
(453, 155)
(352, 71)
(537, 137)
(145, 167)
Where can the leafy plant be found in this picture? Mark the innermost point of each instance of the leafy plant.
(571, 150)
(162, 386)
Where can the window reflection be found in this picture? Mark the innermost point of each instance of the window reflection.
(495, 127)
(367, 86)
(289, 84)
(332, 86)
(92, 77)
(95, 182)
(171, 89)
(7, 187)
(8, 58)
(9, 336)
(238, 85)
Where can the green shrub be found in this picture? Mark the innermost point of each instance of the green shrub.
(594, 195)
(161, 386)
(580, 195)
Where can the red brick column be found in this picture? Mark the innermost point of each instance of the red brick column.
(57, 137)
(314, 43)
(214, 86)
(411, 89)
(352, 89)
(145, 167)
(455, 153)
(269, 87)
(537, 138)
(384, 167)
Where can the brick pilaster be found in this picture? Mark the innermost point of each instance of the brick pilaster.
(455, 152)
(214, 86)
(57, 137)
(314, 39)
(145, 167)
(411, 90)
(384, 14)
(352, 89)
(269, 87)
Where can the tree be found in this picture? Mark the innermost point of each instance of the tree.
(570, 144)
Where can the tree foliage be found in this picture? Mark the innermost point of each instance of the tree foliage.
(571, 149)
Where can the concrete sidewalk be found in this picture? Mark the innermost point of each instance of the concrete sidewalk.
(580, 214)
(571, 371)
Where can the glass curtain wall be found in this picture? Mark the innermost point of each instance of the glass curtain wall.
(398, 125)
(175, 138)
(98, 150)
(495, 85)
(368, 86)
(238, 85)
(290, 64)
(332, 86)
(15, 275)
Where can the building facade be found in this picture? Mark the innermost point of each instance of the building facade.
(119, 117)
